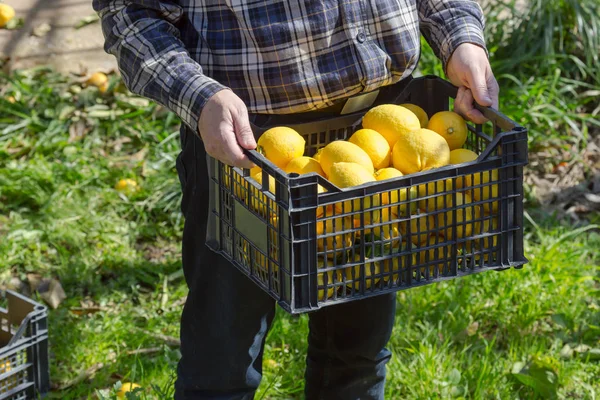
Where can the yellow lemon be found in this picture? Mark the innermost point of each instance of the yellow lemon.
(387, 230)
(421, 226)
(321, 209)
(397, 200)
(333, 234)
(256, 261)
(6, 14)
(464, 215)
(420, 150)
(374, 144)
(260, 267)
(431, 192)
(4, 366)
(392, 267)
(127, 186)
(8, 383)
(103, 88)
(459, 156)
(258, 200)
(304, 165)
(325, 279)
(328, 280)
(487, 226)
(126, 388)
(385, 174)
(419, 112)
(281, 145)
(317, 155)
(240, 185)
(340, 151)
(490, 190)
(98, 79)
(354, 274)
(346, 175)
(451, 127)
(391, 121)
(486, 245)
(434, 257)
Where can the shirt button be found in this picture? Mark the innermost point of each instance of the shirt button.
(361, 37)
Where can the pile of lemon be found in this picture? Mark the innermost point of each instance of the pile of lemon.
(395, 140)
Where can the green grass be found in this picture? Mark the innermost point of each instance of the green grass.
(462, 338)
(64, 147)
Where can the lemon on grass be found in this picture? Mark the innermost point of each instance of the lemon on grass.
(420, 150)
(304, 165)
(6, 14)
(451, 126)
(99, 80)
(419, 112)
(126, 186)
(280, 145)
(347, 175)
(391, 121)
(374, 144)
(340, 151)
(126, 388)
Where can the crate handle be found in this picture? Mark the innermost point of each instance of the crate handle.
(264, 162)
(495, 142)
(17, 336)
(253, 156)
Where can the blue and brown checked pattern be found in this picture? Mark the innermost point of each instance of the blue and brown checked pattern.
(277, 56)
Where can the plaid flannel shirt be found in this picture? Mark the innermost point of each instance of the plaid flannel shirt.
(278, 56)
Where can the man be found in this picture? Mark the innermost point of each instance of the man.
(221, 63)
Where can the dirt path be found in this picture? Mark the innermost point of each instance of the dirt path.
(63, 47)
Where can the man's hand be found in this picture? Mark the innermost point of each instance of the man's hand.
(225, 129)
(470, 70)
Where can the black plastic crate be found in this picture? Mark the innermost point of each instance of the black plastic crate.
(309, 249)
(24, 372)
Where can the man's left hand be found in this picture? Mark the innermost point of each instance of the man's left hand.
(470, 70)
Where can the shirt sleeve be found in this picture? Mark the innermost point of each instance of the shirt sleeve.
(446, 24)
(153, 61)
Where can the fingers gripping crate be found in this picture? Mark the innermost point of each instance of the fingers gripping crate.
(24, 372)
(310, 244)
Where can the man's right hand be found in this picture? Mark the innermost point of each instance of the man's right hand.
(225, 129)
